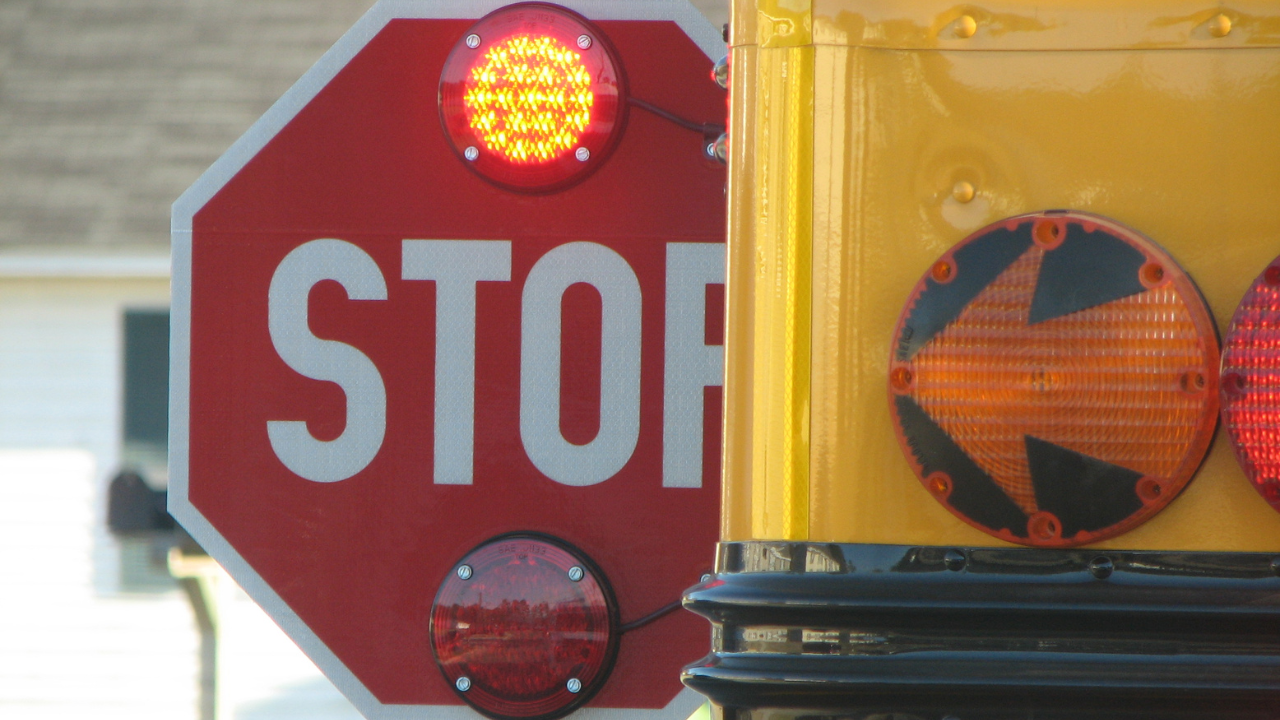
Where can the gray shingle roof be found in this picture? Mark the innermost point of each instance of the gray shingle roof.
(109, 109)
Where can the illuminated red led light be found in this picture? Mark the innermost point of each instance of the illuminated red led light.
(1251, 383)
(1053, 379)
(525, 627)
(532, 97)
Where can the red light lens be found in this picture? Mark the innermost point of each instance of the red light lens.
(1251, 383)
(1053, 379)
(532, 98)
(525, 627)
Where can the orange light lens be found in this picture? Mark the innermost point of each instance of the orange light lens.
(532, 98)
(1067, 392)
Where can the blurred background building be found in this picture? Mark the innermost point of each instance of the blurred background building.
(109, 109)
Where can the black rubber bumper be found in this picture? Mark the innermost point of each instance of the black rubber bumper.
(817, 630)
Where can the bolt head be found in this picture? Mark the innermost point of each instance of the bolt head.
(463, 683)
(464, 572)
(471, 153)
(720, 72)
(582, 154)
(954, 560)
(1101, 567)
(576, 573)
(719, 150)
(473, 41)
(574, 685)
(584, 41)
(1220, 26)
(705, 577)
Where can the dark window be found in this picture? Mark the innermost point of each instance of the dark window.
(144, 555)
(146, 378)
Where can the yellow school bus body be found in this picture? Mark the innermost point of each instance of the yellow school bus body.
(869, 136)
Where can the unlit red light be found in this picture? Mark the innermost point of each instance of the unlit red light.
(529, 630)
(1251, 384)
(529, 100)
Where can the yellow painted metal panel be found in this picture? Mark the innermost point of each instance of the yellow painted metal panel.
(784, 23)
(1181, 144)
(774, 219)
(1033, 25)
(740, 283)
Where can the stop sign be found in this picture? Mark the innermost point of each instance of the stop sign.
(382, 360)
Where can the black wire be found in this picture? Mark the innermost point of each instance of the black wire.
(704, 128)
(648, 618)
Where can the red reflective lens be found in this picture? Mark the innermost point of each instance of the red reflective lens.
(532, 98)
(1251, 383)
(525, 627)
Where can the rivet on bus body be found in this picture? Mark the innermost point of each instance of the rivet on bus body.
(1220, 26)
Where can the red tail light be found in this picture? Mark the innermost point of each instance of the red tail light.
(1251, 383)
(532, 98)
(525, 627)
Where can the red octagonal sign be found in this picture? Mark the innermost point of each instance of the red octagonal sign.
(385, 356)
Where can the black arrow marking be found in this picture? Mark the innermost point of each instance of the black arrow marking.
(1085, 493)
(1087, 270)
(973, 492)
(977, 264)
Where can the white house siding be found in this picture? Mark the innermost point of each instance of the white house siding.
(60, 380)
(264, 676)
(66, 650)
(73, 644)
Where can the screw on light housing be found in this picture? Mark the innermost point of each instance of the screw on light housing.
(473, 41)
(463, 684)
(471, 153)
(584, 42)
(574, 685)
(464, 572)
(576, 573)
